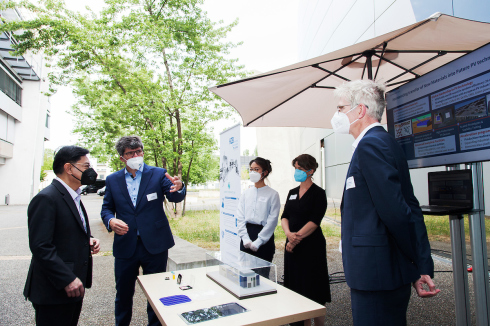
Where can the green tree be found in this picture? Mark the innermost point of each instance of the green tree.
(246, 152)
(138, 67)
(245, 173)
(47, 163)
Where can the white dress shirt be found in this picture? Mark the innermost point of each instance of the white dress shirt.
(133, 185)
(76, 198)
(258, 206)
(358, 139)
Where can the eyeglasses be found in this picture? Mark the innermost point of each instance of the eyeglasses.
(340, 108)
(85, 165)
(131, 153)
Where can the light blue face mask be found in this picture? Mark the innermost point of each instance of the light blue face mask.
(300, 175)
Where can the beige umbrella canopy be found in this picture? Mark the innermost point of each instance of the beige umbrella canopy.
(300, 95)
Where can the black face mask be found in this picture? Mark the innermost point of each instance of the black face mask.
(89, 176)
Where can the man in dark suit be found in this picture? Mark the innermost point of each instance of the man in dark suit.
(385, 246)
(133, 209)
(60, 242)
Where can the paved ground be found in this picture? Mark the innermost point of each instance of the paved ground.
(196, 203)
(98, 305)
(99, 301)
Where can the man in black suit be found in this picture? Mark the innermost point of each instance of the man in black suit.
(60, 242)
(385, 247)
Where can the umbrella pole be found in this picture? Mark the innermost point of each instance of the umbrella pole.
(369, 63)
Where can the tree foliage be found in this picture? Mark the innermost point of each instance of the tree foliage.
(47, 163)
(138, 67)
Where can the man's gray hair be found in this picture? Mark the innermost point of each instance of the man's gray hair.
(131, 142)
(367, 92)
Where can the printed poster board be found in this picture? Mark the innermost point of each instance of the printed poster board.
(230, 189)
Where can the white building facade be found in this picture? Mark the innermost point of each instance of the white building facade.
(329, 25)
(24, 120)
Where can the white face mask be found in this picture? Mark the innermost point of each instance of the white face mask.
(340, 122)
(254, 176)
(135, 163)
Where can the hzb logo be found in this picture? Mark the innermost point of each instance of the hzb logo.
(232, 140)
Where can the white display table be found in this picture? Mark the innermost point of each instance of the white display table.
(280, 308)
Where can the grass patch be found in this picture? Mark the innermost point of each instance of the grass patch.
(438, 227)
(202, 229)
(198, 227)
(104, 253)
(333, 213)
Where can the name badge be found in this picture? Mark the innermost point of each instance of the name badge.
(293, 197)
(350, 183)
(152, 196)
(263, 199)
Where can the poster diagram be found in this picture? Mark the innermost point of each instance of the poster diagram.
(444, 117)
(422, 123)
(227, 166)
(403, 129)
(470, 110)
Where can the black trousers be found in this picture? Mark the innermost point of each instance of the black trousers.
(380, 308)
(58, 314)
(265, 252)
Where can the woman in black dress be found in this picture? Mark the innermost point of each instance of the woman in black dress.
(305, 258)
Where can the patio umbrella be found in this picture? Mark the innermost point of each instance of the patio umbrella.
(300, 95)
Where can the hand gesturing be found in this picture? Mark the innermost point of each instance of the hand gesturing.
(176, 181)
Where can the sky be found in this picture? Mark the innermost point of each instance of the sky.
(267, 28)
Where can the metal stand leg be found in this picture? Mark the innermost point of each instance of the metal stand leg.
(460, 273)
(479, 250)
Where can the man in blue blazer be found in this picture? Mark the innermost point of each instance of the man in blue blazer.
(385, 247)
(133, 209)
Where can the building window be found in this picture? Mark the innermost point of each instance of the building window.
(3, 125)
(47, 121)
(10, 87)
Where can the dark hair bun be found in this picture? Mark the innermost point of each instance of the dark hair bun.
(263, 163)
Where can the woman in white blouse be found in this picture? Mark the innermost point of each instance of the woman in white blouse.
(258, 212)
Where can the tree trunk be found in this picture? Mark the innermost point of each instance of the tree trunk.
(174, 210)
(177, 148)
(187, 176)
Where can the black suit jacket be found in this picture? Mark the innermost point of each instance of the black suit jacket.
(384, 239)
(59, 244)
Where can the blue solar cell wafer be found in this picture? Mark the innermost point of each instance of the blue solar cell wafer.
(174, 299)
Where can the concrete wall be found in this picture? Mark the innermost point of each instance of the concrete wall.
(281, 146)
(20, 174)
(329, 25)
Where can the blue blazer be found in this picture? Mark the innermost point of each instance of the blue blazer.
(147, 217)
(384, 238)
